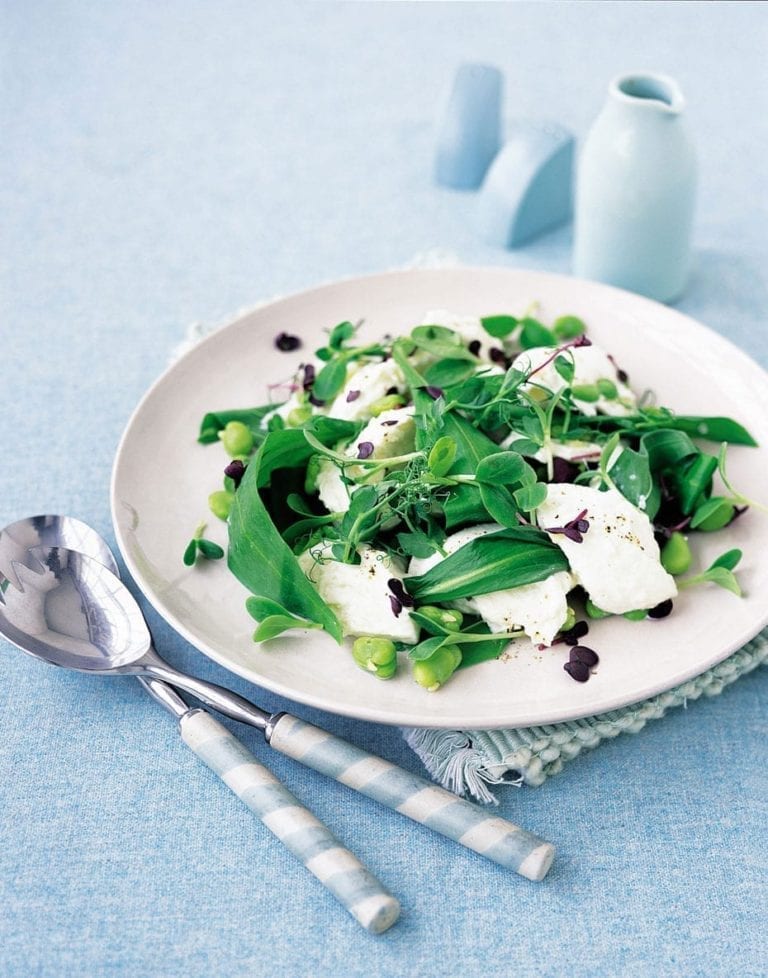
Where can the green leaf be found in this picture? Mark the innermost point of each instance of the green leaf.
(631, 474)
(723, 578)
(691, 480)
(530, 497)
(441, 342)
(427, 648)
(429, 625)
(464, 504)
(565, 367)
(298, 504)
(506, 559)
(446, 373)
(290, 448)
(715, 510)
(190, 554)
(667, 448)
(499, 326)
(330, 380)
(277, 624)
(471, 445)
(293, 533)
(473, 653)
(210, 550)
(442, 456)
(504, 469)
(535, 334)
(259, 557)
(729, 560)
(416, 544)
(360, 521)
(340, 334)
(524, 446)
(568, 327)
(261, 608)
(216, 421)
(500, 504)
(713, 429)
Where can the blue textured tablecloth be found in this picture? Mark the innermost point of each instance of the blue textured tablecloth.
(166, 162)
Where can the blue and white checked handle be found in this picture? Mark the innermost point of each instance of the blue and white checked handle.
(419, 799)
(298, 829)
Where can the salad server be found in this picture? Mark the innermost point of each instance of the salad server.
(353, 885)
(117, 641)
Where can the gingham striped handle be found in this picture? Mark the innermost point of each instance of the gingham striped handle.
(494, 838)
(297, 828)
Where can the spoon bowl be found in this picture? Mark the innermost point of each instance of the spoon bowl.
(68, 609)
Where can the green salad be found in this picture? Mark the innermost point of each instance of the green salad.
(438, 494)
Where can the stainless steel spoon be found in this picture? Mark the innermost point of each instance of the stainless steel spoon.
(61, 616)
(73, 611)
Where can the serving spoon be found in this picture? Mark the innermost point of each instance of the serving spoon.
(61, 616)
(74, 611)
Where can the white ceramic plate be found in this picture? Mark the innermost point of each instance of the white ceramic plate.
(162, 478)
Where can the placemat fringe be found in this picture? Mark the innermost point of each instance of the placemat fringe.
(468, 761)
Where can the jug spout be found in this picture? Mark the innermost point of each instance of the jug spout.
(635, 189)
(649, 92)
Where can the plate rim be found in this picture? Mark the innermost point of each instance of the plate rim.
(361, 712)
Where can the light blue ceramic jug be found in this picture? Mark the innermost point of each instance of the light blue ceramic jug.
(635, 190)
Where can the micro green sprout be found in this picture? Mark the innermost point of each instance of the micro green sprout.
(198, 545)
(719, 572)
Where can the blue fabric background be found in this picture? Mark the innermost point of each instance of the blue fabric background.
(166, 162)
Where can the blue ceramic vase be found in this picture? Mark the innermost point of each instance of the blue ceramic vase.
(635, 190)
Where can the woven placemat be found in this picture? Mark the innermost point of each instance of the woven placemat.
(467, 761)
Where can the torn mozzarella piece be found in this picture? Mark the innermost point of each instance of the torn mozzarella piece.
(364, 387)
(392, 433)
(617, 562)
(359, 594)
(538, 609)
(590, 365)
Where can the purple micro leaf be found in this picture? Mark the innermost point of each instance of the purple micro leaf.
(573, 529)
(563, 471)
(580, 653)
(309, 376)
(352, 396)
(577, 670)
(497, 356)
(434, 392)
(396, 605)
(235, 470)
(365, 449)
(474, 347)
(397, 588)
(287, 343)
(661, 610)
(572, 636)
